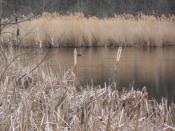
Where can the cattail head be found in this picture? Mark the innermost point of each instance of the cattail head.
(118, 54)
(75, 57)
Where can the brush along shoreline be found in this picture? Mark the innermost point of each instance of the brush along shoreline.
(76, 30)
(53, 103)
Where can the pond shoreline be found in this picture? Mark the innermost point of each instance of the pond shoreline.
(48, 45)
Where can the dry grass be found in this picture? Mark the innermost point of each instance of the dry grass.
(77, 30)
(55, 103)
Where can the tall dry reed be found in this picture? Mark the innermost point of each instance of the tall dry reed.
(77, 30)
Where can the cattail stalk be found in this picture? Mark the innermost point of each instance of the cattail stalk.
(119, 52)
(75, 57)
(17, 30)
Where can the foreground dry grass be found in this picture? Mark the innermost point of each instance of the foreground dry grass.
(77, 30)
(53, 103)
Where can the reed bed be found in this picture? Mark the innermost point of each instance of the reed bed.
(40, 100)
(76, 30)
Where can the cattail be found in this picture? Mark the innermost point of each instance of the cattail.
(118, 54)
(75, 57)
(52, 41)
(40, 44)
(145, 92)
(38, 40)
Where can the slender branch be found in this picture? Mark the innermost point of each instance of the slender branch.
(8, 65)
(42, 60)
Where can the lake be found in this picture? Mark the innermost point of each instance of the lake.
(138, 67)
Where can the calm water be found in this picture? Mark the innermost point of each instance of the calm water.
(153, 68)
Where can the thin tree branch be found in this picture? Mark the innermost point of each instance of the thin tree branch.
(8, 65)
(42, 60)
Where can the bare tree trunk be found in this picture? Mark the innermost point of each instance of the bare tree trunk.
(1, 9)
(0, 27)
(42, 5)
(17, 30)
(16, 20)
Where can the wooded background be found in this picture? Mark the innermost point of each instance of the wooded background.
(100, 8)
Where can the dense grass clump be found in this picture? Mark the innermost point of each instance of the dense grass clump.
(53, 30)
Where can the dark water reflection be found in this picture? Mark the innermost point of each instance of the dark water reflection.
(150, 67)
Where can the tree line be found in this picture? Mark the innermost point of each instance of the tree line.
(100, 8)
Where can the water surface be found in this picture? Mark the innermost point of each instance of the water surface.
(150, 67)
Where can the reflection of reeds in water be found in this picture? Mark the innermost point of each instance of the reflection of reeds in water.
(77, 30)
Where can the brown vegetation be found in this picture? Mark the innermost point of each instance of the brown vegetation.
(53, 30)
